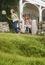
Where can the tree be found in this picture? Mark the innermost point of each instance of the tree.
(7, 5)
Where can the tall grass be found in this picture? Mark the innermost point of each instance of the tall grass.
(22, 49)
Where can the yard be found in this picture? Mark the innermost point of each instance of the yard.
(22, 49)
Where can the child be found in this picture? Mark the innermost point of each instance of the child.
(14, 19)
(28, 26)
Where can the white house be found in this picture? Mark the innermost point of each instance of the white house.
(36, 7)
(32, 8)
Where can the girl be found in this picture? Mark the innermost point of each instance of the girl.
(15, 19)
(28, 25)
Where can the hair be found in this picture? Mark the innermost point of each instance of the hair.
(27, 19)
(12, 10)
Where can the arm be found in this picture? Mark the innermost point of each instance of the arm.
(9, 18)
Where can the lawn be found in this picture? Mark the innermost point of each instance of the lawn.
(22, 49)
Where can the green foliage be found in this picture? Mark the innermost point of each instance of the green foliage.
(10, 59)
(22, 49)
(23, 45)
(24, 6)
(7, 5)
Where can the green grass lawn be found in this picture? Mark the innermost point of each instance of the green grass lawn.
(22, 49)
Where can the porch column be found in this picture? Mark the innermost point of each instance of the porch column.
(21, 14)
(40, 14)
(20, 9)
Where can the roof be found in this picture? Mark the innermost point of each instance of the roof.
(38, 2)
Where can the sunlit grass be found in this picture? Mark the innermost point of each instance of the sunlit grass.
(22, 49)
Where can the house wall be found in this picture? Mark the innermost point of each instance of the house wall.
(32, 11)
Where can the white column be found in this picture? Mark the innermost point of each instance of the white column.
(34, 27)
(20, 9)
(40, 14)
(22, 26)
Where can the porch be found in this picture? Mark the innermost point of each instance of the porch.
(34, 10)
